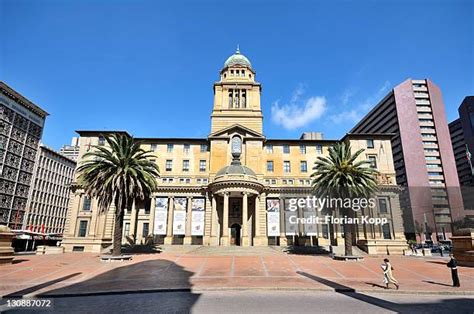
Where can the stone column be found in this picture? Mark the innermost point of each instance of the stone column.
(245, 222)
(188, 237)
(151, 219)
(169, 227)
(214, 225)
(225, 223)
(133, 223)
(283, 240)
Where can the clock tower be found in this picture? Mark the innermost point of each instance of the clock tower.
(237, 96)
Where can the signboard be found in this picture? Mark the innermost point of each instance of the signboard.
(197, 217)
(161, 215)
(179, 215)
(273, 217)
(291, 229)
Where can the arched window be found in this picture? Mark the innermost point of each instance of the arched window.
(230, 98)
(244, 99)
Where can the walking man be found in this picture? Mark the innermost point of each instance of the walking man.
(453, 264)
(387, 274)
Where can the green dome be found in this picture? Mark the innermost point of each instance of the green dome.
(237, 59)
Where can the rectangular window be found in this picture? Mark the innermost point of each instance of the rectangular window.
(303, 149)
(319, 149)
(202, 165)
(169, 165)
(153, 147)
(186, 165)
(325, 231)
(269, 148)
(286, 167)
(304, 166)
(101, 141)
(370, 143)
(373, 162)
(270, 165)
(145, 229)
(126, 229)
(82, 228)
(86, 205)
(147, 206)
(286, 149)
(203, 148)
(169, 148)
(383, 208)
(186, 148)
(386, 231)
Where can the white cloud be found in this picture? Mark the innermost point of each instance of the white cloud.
(299, 112)
(346, 116)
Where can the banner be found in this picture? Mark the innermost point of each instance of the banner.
(179, 215)
(273, 217)
(197, 219)
(291, 229)
(161, 215)
(309, 228)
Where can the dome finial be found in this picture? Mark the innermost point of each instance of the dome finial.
(238, 49)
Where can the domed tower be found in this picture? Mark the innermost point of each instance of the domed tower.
(237, 96)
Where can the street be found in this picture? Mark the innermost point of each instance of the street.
(260, 302)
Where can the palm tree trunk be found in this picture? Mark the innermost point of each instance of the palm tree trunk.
(117, 244)
(348, 234)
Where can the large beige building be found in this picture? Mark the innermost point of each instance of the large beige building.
(234, 186)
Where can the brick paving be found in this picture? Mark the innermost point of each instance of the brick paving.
(213, 269)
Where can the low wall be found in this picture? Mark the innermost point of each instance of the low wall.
(383, 246)
(463, 246)
(7, 253)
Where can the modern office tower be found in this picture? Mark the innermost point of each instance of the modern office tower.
(71, 151)
(233, 187)
(49, 194)
(424, 161)
(21, 127)
(462, 138)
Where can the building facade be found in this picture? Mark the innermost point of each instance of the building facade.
(71, 151)
(21, 127)
(49, 194)
(234, 186)
(424, 161)
(462, 138)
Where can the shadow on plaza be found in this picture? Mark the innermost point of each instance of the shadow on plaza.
(133, 282)
(461, 305)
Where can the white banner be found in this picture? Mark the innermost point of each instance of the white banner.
(161, 215)
(290, 229)
(273, 217)
(179, 215)
(309, 228)
(197, 219)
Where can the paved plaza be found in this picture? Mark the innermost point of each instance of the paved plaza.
(204, 269)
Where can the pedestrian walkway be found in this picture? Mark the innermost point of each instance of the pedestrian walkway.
(209, 269)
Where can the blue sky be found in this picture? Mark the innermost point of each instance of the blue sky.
(148, 66)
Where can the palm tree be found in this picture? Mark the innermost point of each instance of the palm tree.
(118, 174)
(340, 175)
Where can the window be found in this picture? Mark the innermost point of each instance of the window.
(270, 165)
(169, 148)
(82, 229)
(286, 167)
(186, 165)
(202, 165)
(373, 162)
(203, 148)
(325, 231)
(304, 166)
(319, 149)
(145, 229)
(274, 181)
(186, 148)
(242, 73)
(286, 149)
(153, 147)
(147, 206)
(303, 149)
(169, 165)
(101, 141)
(269, 148)
(383, 209)
(386, 231)
(370, 143)
(126, 229)
(86, 205)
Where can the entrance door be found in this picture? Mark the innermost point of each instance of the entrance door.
(235, 234)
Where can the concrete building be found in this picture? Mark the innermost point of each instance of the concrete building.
(71, 151)
(462, 138)
(234, 186)
(49, 194)
(21, 127)
(424, 161)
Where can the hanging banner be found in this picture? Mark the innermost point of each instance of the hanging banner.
(179, 215)
(291, 229)
(197, 217)
(273, 217)
(309, 226)
(161, 215)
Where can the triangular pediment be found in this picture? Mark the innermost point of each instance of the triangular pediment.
(237, 128)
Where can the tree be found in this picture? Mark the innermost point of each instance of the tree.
(341, 176)
(118, 174)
